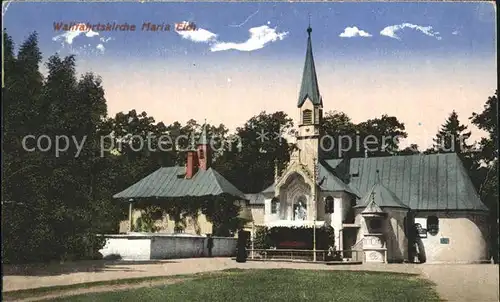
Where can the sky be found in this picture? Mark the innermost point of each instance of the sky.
(415, 61)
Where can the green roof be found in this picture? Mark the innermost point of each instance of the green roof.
(372, 207)
(170, 183)
(269, 189)
(421, 182)
(255, 199)
(328, 181)
(309, 88)
(382, 197)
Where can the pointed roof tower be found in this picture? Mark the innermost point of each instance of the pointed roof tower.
(382, 196)
(309, 87)
(203, 137)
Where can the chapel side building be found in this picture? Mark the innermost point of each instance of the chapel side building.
(378, 204)
(196, 179)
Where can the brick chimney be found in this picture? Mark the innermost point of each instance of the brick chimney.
(192, 164)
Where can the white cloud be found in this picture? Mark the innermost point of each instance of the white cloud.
(456, 32)
(259, 37)
(69, 36)
(105, 40)
(390, 31)
(67, 41)
(350, 32)
(198, 35)
(100, 47)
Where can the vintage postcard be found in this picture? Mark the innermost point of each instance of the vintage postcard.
(147, 139)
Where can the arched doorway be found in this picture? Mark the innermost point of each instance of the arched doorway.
(295, 196)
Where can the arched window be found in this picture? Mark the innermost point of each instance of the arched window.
(433, 225)
(202, 154)
(274, 205)
(328, 205)
(307, 117)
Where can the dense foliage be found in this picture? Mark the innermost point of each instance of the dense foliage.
(293, 238)
(55, 204)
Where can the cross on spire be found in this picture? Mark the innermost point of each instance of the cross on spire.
(309, 87)
(309, 29)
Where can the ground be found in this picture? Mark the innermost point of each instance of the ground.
(453, 282)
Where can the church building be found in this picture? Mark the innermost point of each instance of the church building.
(383, 206)
(392, 209)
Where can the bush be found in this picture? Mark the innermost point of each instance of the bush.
(266, 238)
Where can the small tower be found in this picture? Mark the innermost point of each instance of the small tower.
(204, 150)
(310, 106)
(192, 159)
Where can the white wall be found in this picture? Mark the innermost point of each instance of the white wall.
(396, 240)
(341, 205)
(268, 217)
(128, 247)
(393, 229)
(139, 246)
(467, 233)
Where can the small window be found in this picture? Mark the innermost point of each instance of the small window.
(202, 154)
(307, 117)
(375, 224)
(433, 225)
(274, 205)
(328, 205)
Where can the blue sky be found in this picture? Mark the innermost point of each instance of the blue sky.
(416, 61)
(464, 28)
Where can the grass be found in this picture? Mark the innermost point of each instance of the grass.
(279, 285)
(25, 293)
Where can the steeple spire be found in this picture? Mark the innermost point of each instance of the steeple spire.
(203, 137)
(309, 87)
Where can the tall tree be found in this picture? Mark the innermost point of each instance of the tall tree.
(251, 154)
(488, 159)
(375, 137)
(453, 138)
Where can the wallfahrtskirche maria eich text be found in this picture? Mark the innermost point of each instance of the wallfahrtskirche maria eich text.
(146, 26)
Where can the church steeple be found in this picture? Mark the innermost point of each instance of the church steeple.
(204, 149)
(310, 107)
(309, 88)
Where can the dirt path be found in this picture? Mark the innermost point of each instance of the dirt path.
(454, 282)
(99, 289)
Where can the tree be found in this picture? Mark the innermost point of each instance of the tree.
(387, 131)
(55, 204)
(452, 138)
(487, 174)
(375, 137)
(410, 150)
(249, 159)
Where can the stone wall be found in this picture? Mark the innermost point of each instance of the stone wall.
(144, 246)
